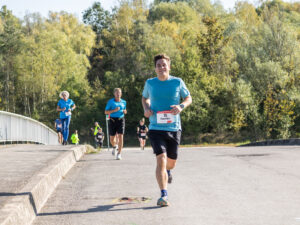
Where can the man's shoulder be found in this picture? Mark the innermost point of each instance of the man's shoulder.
(122, 100)
(152, 80)
(175, 78)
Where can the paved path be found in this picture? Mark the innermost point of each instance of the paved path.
(212, 186)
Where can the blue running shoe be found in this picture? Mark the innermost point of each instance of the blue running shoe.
(163, 201)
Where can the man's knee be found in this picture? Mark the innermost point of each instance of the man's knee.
(161, 160)
(171, 163)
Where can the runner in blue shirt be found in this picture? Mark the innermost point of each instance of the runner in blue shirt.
(116, 108)
(58, 127)
(161, 102)
(65, 106)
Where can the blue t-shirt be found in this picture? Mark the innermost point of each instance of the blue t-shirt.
(65, 104)
(112, 104)
(58, 124)
(162, 95)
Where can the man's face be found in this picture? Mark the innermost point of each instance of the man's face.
(162, 67)
(96, 124)
(118, 94)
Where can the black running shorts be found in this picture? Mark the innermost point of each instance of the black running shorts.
(165, 142)
(142, 136)
(116, 125)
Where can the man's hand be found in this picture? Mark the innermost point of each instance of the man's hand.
(176, 109)
(117, 109)
(148, 113)
(125, 111)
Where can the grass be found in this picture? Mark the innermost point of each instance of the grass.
(216, 144)
(91, 150)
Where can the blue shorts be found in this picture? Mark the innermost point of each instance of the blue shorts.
(58, 130)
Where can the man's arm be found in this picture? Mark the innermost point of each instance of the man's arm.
(146, 105)
(176, 109)
(107, 112)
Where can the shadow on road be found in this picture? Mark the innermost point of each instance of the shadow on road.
(101, 208)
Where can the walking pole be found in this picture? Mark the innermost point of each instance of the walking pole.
(107, 118)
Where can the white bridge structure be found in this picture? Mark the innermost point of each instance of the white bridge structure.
(16, 128)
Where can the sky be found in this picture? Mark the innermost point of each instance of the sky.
(21, 7)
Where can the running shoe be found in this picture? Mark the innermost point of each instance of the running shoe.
(163, 201)
(114, 150)
(118, 157)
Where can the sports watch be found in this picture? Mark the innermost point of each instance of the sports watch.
(181, 106)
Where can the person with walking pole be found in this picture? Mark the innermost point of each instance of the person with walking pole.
(116, 109)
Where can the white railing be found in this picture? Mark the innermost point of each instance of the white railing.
(15, 128)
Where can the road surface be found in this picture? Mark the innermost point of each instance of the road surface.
(212, 186)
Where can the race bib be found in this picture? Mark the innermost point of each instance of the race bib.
(59, 126)
(143, 134)
(68, 113)
(165, 117)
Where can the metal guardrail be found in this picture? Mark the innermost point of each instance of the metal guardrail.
(15, 128)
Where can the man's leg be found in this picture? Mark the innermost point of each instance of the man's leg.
(113, 141)
(161, 171)
(120, 142)
(170, 165)
(162, 178)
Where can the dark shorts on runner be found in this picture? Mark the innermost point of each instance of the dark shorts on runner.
(58, 130)
(143, 137)
(165, 142)
(116, 125)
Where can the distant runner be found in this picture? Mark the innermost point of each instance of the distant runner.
(142, 130)
(116, 108)
(99, 137)
(74, 138)
(65, 106)
(95, 132)
(58, 127)
(161, 102)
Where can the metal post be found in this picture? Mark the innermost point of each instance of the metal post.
(107, 137)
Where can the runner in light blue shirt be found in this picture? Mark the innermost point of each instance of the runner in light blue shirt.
(65, 106)
(116, 109)
(163, 95)
(161, 103)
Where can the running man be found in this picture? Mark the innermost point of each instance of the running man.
(142, 130)
(58, 127)
(161, 103)
(116, 108)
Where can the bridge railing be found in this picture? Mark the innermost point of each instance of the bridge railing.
(15, 128)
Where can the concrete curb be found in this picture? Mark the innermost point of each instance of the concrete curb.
(294, 141)
(26, 204)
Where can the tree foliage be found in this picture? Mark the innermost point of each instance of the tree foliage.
(242, 67)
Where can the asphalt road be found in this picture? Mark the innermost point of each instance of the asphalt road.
(212, 186)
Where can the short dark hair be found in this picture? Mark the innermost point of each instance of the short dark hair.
(161, 56)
